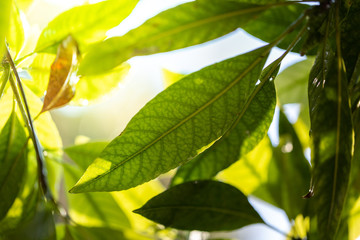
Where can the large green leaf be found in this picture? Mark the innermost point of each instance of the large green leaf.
(201, 205)
(87, 24)
(288, 173)
(331, 131)
(12, 161)
(185, 25)
(172, 127)
(41, 226)
(5, 10)
(91, 209)
(252, 125)
(16, 35)
(275, 21)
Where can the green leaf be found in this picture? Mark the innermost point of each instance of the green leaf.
(252, 125)
(274, 21)
(288, 173)
(91, 209)
(40, 227)
(84, 154)
(292, 83)
(5, 10)
(39, 71)
(172, 127)
(90, 88)
(16, 34)
(13, 143)
(331, 131)
(261, 1)
(201, 205)
(185, 25)
(87, 24)
(252, 169)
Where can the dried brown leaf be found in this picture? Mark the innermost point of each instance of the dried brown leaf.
(61, 87)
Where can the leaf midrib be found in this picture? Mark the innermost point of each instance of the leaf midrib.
(223, 92)
(231, 212)
(200, 23)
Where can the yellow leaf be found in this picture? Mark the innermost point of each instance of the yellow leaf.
(61, 89)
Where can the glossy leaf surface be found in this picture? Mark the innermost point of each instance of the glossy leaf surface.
(252, 125)
(172, 127)
(185, 25)
(201, 205)
(87, 24)
(331, 130)
(13, 145)
(61, 87)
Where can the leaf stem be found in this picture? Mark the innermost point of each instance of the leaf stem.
(25, 112)
(279, 231)
(5, 76)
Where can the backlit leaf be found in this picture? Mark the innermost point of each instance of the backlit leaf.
(90, 88)
(40, 227)
(5, 10)
(91, 209)
(60, 89)
(87, 24)
(185, 25)
(12, 161)
(275, 20)
(331, 131)
(288, 173)
(16, 35)
(201, 205)
(291, 84)
(252, 125)
(172, 127)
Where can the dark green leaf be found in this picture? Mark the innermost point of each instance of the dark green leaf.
(252, 125)
(40, 227)
(331, 131)
(87, 24)
(288, 173)
(172, 127)
(275, 21)
(185, 25)
(201, 205)
(12, 161)
(91, 209)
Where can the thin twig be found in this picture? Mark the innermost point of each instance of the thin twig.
(24, 108)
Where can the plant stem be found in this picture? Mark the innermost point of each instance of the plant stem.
(280, 231)
(5, 76)
(24, 108)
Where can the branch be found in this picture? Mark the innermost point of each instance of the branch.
(25, 112)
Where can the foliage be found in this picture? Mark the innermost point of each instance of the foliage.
(209, 125)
